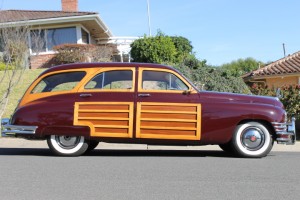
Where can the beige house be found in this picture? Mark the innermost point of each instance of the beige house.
(68, 26)
(285, 71)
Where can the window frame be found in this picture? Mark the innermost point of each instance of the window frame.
(132, 89)
(84, 73)
(140, 82)
(78, 34)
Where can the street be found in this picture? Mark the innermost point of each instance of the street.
(34, 173)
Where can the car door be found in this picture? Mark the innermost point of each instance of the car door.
(106, 103)
(167, 106)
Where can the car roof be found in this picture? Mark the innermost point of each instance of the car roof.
(103, 65)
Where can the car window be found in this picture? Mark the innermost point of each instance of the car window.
(58, 82)
(159, 80)
(112, 80)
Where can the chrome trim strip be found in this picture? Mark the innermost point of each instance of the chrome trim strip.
(285, 129)
(12, 130)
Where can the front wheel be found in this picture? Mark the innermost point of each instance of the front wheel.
(252, 139)
(67, 145)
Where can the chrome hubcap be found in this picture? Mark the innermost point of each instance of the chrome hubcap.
(67, 142)
(253, 138)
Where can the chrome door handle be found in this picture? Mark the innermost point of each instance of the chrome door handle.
(85, 95)
(144, 95)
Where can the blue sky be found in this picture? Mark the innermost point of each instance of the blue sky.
(220, 30)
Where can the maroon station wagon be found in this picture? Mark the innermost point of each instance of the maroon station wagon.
(76, 106)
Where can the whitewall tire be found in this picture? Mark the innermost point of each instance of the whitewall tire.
(67, 145)
(252, 139)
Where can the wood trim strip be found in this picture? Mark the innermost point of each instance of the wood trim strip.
(168, 112)
(95, 111)
(167, 120)
(168, 128)
(110, 126)
(103, 118)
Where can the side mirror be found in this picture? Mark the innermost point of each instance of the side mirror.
(187, 92)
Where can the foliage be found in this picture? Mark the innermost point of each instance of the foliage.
(215, 79)
(157, 49)
(72, 53)
(193, 63)
(206, 77)
(183, 47)
(288, 95)
(241, 66)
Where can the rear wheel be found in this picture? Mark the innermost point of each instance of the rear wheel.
(67, 145)
(252, 139)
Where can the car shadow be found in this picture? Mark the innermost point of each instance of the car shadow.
(158, 153)
(118, 153)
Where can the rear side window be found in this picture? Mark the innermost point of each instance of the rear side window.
(58, 82)
(111, 80)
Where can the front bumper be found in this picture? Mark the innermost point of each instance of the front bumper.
(9, 130)
(285, 132)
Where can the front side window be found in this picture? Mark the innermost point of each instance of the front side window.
(112, 80)
(159, 80)
(58, 82)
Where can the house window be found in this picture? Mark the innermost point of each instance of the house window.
(61, 36)
(85, 37)
(44, 40)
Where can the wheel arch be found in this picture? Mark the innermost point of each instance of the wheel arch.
(266, 123)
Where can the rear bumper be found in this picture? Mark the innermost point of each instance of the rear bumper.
(285, 132)
(15, 130)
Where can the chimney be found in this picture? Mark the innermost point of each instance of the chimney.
(69, 5)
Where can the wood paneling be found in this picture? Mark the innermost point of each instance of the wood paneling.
(168, 121)
(105, 119)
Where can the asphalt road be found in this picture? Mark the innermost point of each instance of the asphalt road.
(33, 173)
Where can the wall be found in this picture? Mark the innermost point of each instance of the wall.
(280, 81)
(42, 61)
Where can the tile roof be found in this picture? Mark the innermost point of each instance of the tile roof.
(284, 66)
(25, 15)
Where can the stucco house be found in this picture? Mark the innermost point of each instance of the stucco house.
(68, 26)
(285, 71)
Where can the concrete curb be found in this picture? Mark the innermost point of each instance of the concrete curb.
(22, 143)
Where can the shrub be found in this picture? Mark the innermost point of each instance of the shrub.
(72, 53)
(157, 49)
(289, 95)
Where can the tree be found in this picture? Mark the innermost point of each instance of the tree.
(157, 49)
(241, 66)
(14, 46)
(183, 47)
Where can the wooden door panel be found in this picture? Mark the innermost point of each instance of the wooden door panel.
(105, 119)
(168, 121)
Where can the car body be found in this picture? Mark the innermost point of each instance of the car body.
(75, 106)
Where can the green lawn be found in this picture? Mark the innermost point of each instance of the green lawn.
(19, 90)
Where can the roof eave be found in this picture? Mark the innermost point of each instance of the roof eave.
(273, 76)
(60, 20)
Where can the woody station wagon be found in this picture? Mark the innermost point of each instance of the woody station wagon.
(76, 106)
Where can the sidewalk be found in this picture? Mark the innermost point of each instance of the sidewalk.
(22, 143)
